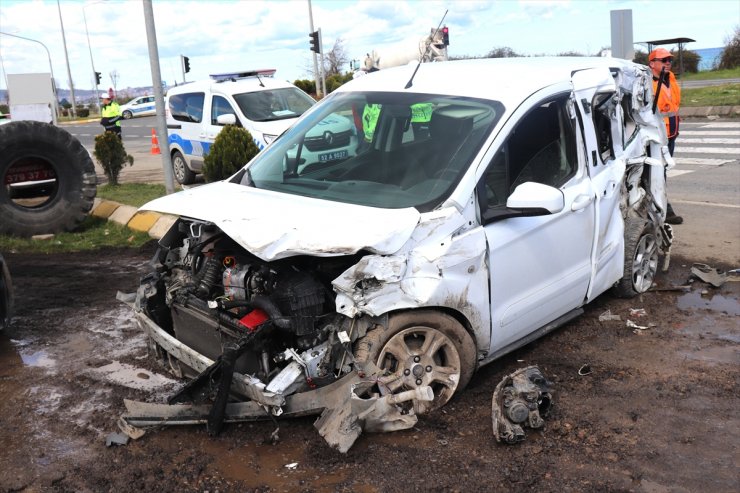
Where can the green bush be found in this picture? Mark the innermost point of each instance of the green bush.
(333, 82)
(731, 54)
(4, 109)
(232, 149)
(308, 86)
(82, 112)
(111, 155)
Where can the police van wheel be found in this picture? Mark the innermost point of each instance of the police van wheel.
(127, 115)
(182, 173)
(47, 179)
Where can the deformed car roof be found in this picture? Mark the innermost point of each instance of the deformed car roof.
(508, 80)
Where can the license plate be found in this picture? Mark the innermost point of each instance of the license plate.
(20, 174)
(332, 156)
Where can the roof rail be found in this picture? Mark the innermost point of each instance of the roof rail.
(265, 72)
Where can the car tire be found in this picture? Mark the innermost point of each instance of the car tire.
(422, 347)
(127, 115)
(640, 258)
(70, 198)
(180, 169)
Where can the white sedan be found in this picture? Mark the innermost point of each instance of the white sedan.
(141, 106)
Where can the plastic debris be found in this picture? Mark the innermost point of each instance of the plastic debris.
(292, 465)
(633, 325)
(585, 370)
(608, 315)
(637, 312)
(116, 439)
(708, 274)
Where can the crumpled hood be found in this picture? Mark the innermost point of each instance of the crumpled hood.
(274, 225)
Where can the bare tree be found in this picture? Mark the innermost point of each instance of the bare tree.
(335, 59)
(114, 76)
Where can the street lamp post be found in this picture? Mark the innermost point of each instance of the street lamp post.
(66, 57)
(92, 64)
(51, 69)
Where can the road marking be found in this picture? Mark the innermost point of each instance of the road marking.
(708, 150)
(710, 204)
(721, 125)
(678, 172)
(707, 140)
(713, 133)
(697, 161)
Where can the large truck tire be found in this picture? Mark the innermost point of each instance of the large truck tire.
(48, 179)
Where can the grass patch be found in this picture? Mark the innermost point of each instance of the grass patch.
(731, 73)
(724, 95)
(135, 194)
(92, 234)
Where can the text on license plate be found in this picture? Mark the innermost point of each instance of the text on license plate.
(332, 156)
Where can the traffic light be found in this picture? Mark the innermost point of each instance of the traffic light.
(97, 77)
(185, 64)
(315, 42)
(446, 35)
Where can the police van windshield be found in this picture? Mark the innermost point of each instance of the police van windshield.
(274, 104)
(385, 150)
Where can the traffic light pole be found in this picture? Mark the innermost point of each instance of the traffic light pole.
(315, 65)
(151, 35)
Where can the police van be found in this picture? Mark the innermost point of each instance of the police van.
(253, 99)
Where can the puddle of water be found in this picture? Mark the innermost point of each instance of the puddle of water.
(714, 354)
(37, 358)
(132, 377)
(695, 301)
(266, 465)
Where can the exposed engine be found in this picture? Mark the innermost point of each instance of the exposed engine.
(211, 294)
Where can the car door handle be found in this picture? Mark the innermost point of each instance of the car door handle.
(581, 202)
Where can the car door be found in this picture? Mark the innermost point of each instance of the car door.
(539, 266)
(596, 99)
(219, 105)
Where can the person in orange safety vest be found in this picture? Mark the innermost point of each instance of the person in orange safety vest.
(669, 100)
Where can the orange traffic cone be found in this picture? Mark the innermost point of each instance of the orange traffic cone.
(155, 143)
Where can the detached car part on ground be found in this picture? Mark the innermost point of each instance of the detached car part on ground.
(369, 288)
(6, 294)
(48, 179)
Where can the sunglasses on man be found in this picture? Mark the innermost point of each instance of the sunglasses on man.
(664, 60)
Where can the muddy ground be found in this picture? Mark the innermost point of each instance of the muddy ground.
(658, 413)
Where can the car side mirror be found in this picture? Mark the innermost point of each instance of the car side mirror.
(227, 119)
(536, 199)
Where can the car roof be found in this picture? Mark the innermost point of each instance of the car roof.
(509, 80)
(248, 84)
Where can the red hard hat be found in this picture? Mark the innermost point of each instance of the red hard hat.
(660, 53)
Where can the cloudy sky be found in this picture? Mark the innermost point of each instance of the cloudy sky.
(228, 35)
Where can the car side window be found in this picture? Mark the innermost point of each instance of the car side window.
(187, 107)
(220, 106)
(541, 149)
(603, 106)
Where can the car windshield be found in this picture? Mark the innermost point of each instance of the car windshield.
(390, 150)
(274, 104)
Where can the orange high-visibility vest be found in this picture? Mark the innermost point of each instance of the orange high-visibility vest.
(669, 100)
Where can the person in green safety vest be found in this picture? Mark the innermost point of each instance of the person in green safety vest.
(370, 120)
(421, 114)
(110, 114)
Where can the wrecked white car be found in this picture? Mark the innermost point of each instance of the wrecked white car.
(493, 199)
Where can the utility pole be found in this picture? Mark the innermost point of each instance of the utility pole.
(315, 65)
(151, 36)
(66, 57)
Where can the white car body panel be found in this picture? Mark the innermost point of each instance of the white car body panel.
(270, 227)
